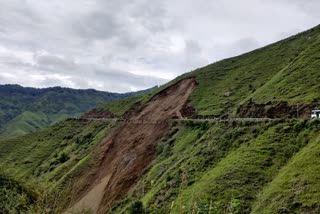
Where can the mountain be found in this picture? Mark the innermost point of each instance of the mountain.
(284, 74)
(24, 109)
(231, 137)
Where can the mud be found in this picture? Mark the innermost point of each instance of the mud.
(280, 109)
(130, 149)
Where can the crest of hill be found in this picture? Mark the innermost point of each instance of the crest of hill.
(286, 71)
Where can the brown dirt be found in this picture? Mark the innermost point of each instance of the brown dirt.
(188, 111)
(280, 109)
(98, 115)
(126, 154)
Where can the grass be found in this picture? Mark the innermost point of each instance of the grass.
(201, 166)
(297, 83)
(23, 110)
(50, 160)
(120, 107)
(24, 123)
(296, 188)
(284, 71)
(14, 196)
(215, 167)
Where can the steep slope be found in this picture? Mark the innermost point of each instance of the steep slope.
(231, 167)
(296, 187)
(298, 81)
(114, 175)
(279, 76)
(14, 195)
(45, 163)
(224, 85)
(23, 110)
(293, 91)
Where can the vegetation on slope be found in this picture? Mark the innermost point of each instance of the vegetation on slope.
(202, 167)
(23, 110)
(226, 84)
(14, 196)
(50, 159)
(222, 167)
(296, 188)
(284, 71)
(296, 83)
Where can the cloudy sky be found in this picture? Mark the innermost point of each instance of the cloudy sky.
(127, 45)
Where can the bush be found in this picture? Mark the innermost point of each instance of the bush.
(63, 158)
(136, 208)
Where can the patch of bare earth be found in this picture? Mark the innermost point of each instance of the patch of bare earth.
(125, 155)
(278, 109)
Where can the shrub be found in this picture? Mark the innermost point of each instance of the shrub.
(63, 158)
(136, 208)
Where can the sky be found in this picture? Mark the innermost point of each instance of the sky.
(129, 45)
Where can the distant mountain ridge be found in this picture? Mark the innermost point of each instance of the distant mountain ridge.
(26, 109)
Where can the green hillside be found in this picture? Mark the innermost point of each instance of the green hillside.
(284, 71)
(23, 110)
(48, 160)
(207, 167)
(232, 167)
(199, 166)
(298, 81)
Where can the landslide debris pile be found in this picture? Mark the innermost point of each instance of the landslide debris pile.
(128, 151)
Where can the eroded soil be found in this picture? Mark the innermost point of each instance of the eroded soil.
(125, 155)
(279, 109)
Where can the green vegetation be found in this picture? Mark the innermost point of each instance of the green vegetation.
(26, 122)
(227, 167)
(201, 166)
(284, 71)
(47, 161)
(119, 107)
(15, 198)
(226, 84)
(23, 110)
(297, 82)
(296, 188)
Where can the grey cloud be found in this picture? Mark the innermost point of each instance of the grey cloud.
(237, 47)
(121, 45)
(310, 7)
(87, 75)
(96, 25)
(193, 54)
(55, 64)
